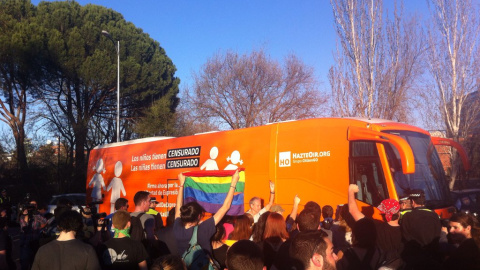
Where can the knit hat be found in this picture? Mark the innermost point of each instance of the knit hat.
(389, 207)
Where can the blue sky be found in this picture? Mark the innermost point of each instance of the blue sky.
(193, 31)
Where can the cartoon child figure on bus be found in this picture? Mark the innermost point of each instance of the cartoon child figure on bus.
(211, 164)
(97, 181)
(116, 185)
(234, 158)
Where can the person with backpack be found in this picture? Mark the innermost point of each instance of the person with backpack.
(147, 221)
(191, 232)
(142, 227)
(364, 254)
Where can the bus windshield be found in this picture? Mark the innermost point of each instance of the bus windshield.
(429, 174)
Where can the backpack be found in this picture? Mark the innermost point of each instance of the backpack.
(136, 228)
(196, 258)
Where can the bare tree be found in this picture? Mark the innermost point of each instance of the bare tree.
(376, 63)
(250, 90)
(453, 58)
(402, 65)
(187, 120)
(354, 79)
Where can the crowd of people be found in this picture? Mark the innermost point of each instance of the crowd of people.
(409, 236)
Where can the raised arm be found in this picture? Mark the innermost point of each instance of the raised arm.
(296, 201)
(290, 221)
(228, 200)
(352, 205)
(181, 179)
(272, 196)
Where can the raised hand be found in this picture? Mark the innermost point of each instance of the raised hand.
(353, 188)
(235, 177)
(296, 200)
(272, 187)
(181, 178)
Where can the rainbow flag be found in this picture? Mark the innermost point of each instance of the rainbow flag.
(209, 189)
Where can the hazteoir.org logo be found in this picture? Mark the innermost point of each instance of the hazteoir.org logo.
(285, 159)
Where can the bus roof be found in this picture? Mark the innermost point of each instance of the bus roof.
(380, 125)
(150, 139)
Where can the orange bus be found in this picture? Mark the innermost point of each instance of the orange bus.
(314, 158)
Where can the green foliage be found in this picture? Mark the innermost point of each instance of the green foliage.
(57, 50)
(158, 120)
(86, 60)
(81, 65)
(19, 46)
(19, 69)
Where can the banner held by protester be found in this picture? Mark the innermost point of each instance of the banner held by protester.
(209, 189)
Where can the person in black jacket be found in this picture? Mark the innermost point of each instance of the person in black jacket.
(66, 252)
(421, 229)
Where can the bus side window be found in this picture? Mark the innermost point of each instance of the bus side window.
(366, 173)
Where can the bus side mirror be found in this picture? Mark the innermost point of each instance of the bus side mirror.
(457, 146)
(404, 149)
